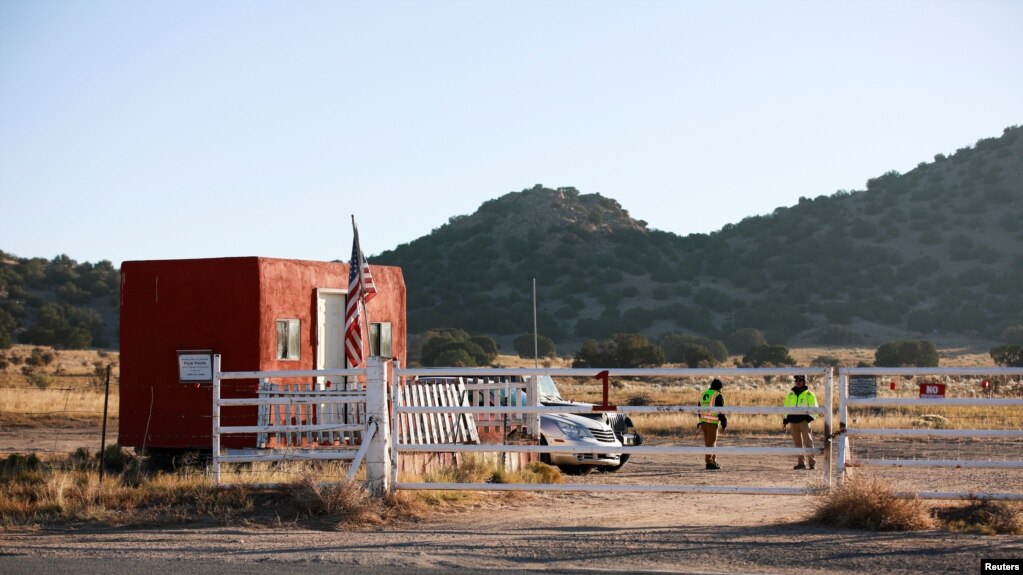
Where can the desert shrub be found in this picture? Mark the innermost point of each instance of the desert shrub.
(984, 517)
(35, 378)
(80, 460)
(639, 399)
(768, 356)
(524, 346)
(932, 421)
(742, 340)
(906, 353)
(676, 345)
(17, 463)
(623, 350)
(456, 348)
(119, 460)
(868, 503)
(825, 361)
(347, 501)
(1008, 355)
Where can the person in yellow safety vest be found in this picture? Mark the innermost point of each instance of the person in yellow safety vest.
(801, 396)
(709, 420)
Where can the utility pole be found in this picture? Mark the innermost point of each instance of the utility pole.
(536, 347)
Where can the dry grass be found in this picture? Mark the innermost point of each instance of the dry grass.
(868, 503)
(534, 472)
(863, 502)
(67, 490)
(472, 469)
(770, 392)
(983, 517)
(42, 386)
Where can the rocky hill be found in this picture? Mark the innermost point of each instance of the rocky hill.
(936, 252)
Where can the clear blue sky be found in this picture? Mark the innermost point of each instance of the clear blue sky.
(157, 129)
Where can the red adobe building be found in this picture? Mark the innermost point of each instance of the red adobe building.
(259, 314)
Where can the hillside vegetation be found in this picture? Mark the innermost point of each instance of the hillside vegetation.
(58, 302)
(936, 252)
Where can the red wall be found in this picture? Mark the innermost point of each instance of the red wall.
(229, 305)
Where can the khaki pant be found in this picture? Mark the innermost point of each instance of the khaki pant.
(710, 439)
(801, 437)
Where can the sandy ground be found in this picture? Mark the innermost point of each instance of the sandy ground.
(618, 532)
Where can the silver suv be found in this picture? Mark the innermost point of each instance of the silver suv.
(583, 426)
(602, 433)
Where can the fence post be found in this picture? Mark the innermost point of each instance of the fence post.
(533, 400)
(828, 423)
(843, 416)
(395, 422)
(215, 437)
(378, 454)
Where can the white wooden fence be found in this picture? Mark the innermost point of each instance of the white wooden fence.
(304, 421)
(488, 374)
(845, 400)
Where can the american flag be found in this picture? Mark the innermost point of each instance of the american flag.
(361, 289)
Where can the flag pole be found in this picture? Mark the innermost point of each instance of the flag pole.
(362, 294)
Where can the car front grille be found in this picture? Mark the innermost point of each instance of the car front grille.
(616, 421)
(603, 436)
(584, 457)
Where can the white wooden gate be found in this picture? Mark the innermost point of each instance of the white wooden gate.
(847, 399)
(301, 424)
(402, 410)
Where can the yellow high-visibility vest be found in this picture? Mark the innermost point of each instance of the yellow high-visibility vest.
(707, 400)
(805, 398)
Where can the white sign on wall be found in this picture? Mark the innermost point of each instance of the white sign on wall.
(195, 365)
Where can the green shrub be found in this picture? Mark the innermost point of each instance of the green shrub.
(623, 350)
(742, 340)
(543, 346)
(906, 353)
(768, 356)
(1008, 355)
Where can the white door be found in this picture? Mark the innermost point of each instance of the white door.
(330, 329)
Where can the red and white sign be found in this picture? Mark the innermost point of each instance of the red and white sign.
(932, 390)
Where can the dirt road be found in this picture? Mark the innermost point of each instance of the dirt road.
(545, 532)
(557, 532)
(620, 532)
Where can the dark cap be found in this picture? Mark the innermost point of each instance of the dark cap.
(716, 384)
(799, 378)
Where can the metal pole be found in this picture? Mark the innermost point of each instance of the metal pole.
(536, 337)
(103, 434)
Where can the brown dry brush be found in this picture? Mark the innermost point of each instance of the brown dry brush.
(34, 491)
(862, 502)
(982, 516)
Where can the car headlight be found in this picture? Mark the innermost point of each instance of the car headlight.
(574, 431)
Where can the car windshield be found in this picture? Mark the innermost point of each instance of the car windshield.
(547, 388)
